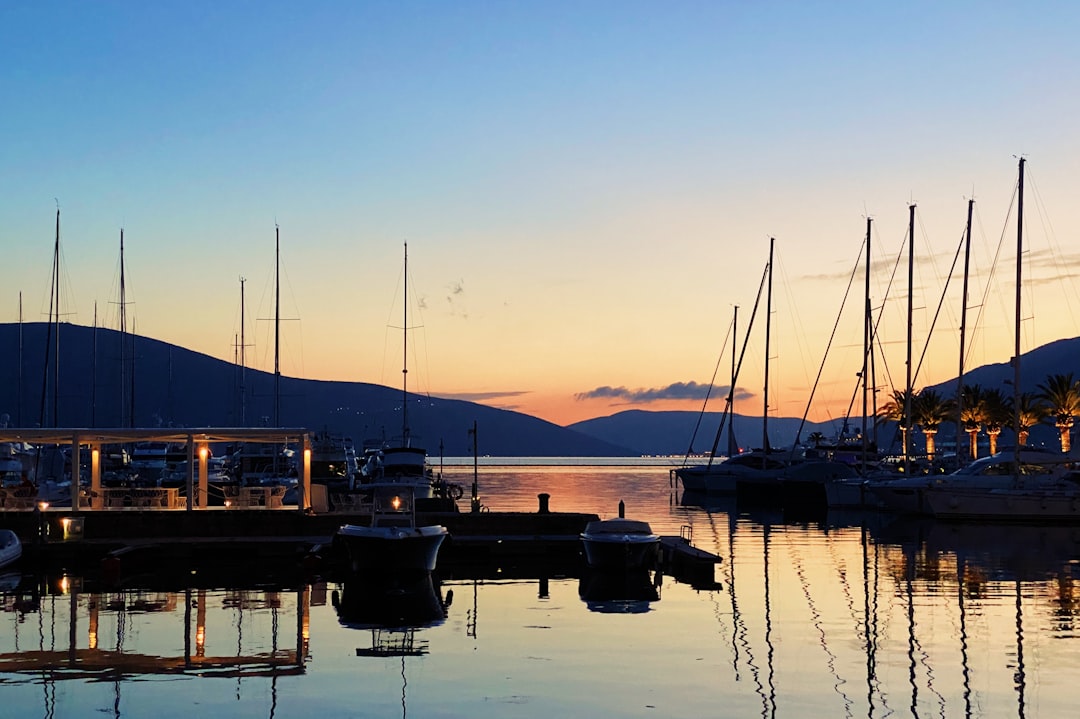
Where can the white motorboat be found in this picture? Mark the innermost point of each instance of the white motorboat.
(392, 542)
(620, 544)
(10, 548)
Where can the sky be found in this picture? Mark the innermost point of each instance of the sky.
(587, 189)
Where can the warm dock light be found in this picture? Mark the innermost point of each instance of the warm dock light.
(228, 503)
(65, 585)
(396, 502)
(43, 505)
(66, 524)
(203, 452)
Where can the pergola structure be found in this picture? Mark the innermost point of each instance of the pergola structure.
(197, 441)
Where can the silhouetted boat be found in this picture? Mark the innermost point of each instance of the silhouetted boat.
(10, 548)
(620, 544)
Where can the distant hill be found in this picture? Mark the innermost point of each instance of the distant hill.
(178, 387)
(669, 433)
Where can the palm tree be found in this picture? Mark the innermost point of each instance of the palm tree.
(895, 411)
(929, 410)
(816, 438)
(1062, 393)
(997, 414)
(1032, 411)
(971, 415)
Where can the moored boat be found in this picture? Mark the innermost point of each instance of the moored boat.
(620, 544)
(392, 542)
(10, 548)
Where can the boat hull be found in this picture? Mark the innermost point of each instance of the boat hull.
(10, 548)
(621, 555)
(392, 549)
(1004, 504)
(620, 545)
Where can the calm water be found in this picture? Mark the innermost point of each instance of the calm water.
(848, 617)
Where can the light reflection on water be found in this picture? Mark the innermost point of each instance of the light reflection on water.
(844, 616)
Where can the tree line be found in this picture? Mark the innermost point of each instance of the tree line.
(976, 409)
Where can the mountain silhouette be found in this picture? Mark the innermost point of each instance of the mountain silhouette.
(177, 387)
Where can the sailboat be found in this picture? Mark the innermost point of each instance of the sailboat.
(401, 466)
(757, 475)
(1048, 496)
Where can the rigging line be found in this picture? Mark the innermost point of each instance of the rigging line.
(1056, 252)
(974, 330)
(708, 392)
(738, 367)
(937, 312)
(881, 313)
(994, 263)
(794, 310)
(828, 346)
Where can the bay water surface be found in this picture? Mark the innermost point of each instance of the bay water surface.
(832, 616)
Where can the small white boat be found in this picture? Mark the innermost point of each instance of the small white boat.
(620, 544)
(393, 542)
(10, 548)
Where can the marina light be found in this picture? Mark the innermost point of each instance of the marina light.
(65, 585)
(228, 503)
(43, 505)
(204, 451)
(396, 502)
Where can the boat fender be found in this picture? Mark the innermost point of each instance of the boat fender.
(455, 491)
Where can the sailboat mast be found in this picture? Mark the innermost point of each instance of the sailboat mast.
(765, 393)
(910, 310)
(1019, 277)
(243, 362)
(56, 324)
(733, 446)
(93, 373)
(867, 320)
(18, 412)
(963, 329)
(277, 327)
(123, 335)
(405, 354)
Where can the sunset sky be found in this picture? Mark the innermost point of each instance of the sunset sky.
(586, 188)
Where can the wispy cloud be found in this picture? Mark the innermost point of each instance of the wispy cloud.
(676, 390)
(482, 396)
(455, 296)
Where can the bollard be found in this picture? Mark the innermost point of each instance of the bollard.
(544, 497)
(622, 510)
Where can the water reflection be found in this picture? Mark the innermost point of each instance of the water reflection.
(630, 592)
(848, 615)
(406, 600)
(394, 608)
(921, 582)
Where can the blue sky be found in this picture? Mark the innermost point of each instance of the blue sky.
(586, 188)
